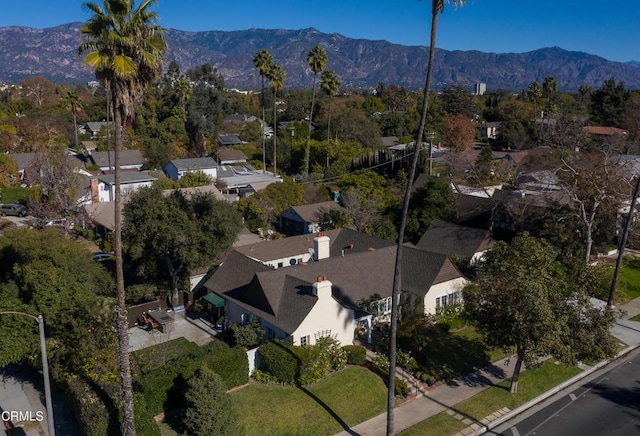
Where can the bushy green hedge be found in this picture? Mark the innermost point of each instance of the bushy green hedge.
(356, 354)
(163, 388)
(278, 359)
(17, 194)
(301, 365)
(90, 409)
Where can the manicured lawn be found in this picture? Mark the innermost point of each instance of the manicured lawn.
(628, 281)
(155, 356)
(532, 383)
(447, 354)
(346, 398)
(438, 425)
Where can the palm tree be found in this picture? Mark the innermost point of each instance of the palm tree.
(72, 101)
(125, 47)
(534, 94)
(330, 83)
(277, 76)
(317, 60)
(437, 7)
(262, 62)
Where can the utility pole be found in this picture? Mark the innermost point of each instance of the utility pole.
(45, 368)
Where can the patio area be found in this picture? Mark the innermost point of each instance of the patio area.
(194, 329)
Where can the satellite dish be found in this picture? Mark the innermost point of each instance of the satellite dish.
(293, 262)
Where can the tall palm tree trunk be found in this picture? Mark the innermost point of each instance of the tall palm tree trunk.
(126, 385)
(329, 121)
(275, 135)
(397, 281)
(264, 159)
(307, 150)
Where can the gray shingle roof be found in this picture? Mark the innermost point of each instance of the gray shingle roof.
(127, 158)
(283, 296)
(197, 163)
(311, 213)
(348, 240)
(454, 240)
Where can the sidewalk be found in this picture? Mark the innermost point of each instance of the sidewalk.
(446, 396)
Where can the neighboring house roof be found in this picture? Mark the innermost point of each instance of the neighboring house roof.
(128, 177)
(206, 189)
(283, 297)
(239, 118)
(454, 240)
(105, 159)
(312, 213)
(95, 126)
(389, 141)
(23, 160)
(197, 163)
(604, 131)
(231, 155)
(545, 180)
(102, 214)
(347, 240)
(227, 140)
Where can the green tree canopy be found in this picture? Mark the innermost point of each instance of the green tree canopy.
(525, 300)
(44, 272)
(169, 235)
(208, 409)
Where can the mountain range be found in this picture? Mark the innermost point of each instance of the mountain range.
(52, 53)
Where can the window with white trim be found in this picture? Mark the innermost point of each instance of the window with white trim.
(448, 299)
(304, 341)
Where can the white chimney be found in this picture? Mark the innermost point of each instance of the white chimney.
(321, 246)
(322, 287)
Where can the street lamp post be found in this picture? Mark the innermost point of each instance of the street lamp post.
(431, 136)
(45, 368)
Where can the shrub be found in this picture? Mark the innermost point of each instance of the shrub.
(248, 335)
(278, 359)
(405, 361)
(208, 409)
(263, 377)
(145, 424)
(162, 387)
(356, 354)
(90, 410)
(332, 352)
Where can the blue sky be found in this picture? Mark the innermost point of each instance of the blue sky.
(486, 25)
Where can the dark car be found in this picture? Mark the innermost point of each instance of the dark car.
(13, 210)
(101, 256)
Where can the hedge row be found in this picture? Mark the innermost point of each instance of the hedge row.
(292, 364)
(96, 409)
(163, 388)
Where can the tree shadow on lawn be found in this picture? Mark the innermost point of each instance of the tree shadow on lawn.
(329, 410)
(449, 357)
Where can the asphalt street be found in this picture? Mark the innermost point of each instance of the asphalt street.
(606, 403)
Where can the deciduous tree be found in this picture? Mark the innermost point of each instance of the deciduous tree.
(526, 301)
(169, 235)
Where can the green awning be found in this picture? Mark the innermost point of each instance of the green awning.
(215, 300)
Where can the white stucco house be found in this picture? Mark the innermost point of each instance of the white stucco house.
(333, 283)
(177, 168)
(103, 187)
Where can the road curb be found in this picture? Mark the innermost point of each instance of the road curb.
(529, 404)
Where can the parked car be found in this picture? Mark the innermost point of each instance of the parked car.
(101, 255)
(12, 209)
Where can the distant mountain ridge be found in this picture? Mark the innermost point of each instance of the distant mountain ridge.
(52, 53)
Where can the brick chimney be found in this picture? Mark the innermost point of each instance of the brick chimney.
(321, 246)
(95, 191)
(322, 287)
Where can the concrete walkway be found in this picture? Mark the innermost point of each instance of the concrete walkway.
(445, 397)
